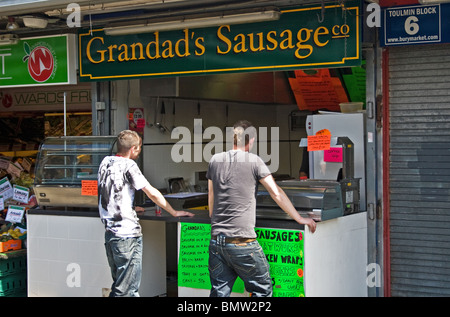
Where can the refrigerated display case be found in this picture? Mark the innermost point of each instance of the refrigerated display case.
(66, 170)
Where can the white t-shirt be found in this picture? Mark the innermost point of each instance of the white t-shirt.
(118, 179)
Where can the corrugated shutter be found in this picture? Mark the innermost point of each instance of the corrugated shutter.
(419, 111)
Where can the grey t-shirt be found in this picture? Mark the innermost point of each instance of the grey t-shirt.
(235, 175)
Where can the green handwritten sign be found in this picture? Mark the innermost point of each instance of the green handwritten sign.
(283, 250)
(193, 257)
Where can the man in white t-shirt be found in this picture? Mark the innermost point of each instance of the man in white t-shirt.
(118, 178)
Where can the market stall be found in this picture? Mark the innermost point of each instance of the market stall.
(67, 197)
(162, 109)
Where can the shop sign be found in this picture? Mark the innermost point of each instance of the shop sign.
(301, 38)
(416, 24)
(38, 61)
(46, 98)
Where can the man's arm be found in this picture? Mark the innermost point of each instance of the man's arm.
(156, 196)
(210, 197)
(282, 200)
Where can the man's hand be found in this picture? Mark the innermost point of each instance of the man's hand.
(182, 213)
(139, 210)
(311, 224)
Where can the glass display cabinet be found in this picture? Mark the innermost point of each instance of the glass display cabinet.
(66, 169)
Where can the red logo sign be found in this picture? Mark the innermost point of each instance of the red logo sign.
(7, 101)
(41, 62)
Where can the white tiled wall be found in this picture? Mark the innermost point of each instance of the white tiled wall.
(57, 242)
(156, 153)
(158, 163)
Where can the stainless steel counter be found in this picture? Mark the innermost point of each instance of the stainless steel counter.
(200, 216)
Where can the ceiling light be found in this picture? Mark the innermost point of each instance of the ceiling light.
(194, 23)
(12, 24)
(34, 22)
(9, 39)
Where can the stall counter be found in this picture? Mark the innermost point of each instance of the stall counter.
(66, 254)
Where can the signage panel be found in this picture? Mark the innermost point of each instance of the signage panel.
(39, 61)
(297, 40)
(415, 24)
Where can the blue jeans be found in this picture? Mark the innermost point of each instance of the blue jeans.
(125, 260)
(227, 261)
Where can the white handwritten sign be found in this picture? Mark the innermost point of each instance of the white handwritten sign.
(21, 194)
(15, 214)
(6, 189)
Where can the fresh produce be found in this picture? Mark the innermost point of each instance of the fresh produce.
(11, 234)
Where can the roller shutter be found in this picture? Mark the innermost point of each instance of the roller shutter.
(419, 114)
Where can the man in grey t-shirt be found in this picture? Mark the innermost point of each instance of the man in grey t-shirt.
(233, 179)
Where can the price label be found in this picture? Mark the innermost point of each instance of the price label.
(21, 194)
(6, 189)
(15, 214)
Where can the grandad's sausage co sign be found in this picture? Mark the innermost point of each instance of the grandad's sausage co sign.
(299, 39)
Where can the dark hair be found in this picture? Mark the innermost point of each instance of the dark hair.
(243, 131)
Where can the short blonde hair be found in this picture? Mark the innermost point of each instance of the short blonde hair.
(127, 139)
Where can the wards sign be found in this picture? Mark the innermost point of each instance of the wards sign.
(47, 60)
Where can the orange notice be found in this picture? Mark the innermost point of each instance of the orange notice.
(88, 188)
(323, 132)
(319, 142)
(319, 90)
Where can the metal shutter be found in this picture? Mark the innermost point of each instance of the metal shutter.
(419, 114)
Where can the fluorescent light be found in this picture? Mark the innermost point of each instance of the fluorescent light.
(9, 39)
(433, 1)
(35, 22)
(194, 23)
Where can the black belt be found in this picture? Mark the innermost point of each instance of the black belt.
(235, 240)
